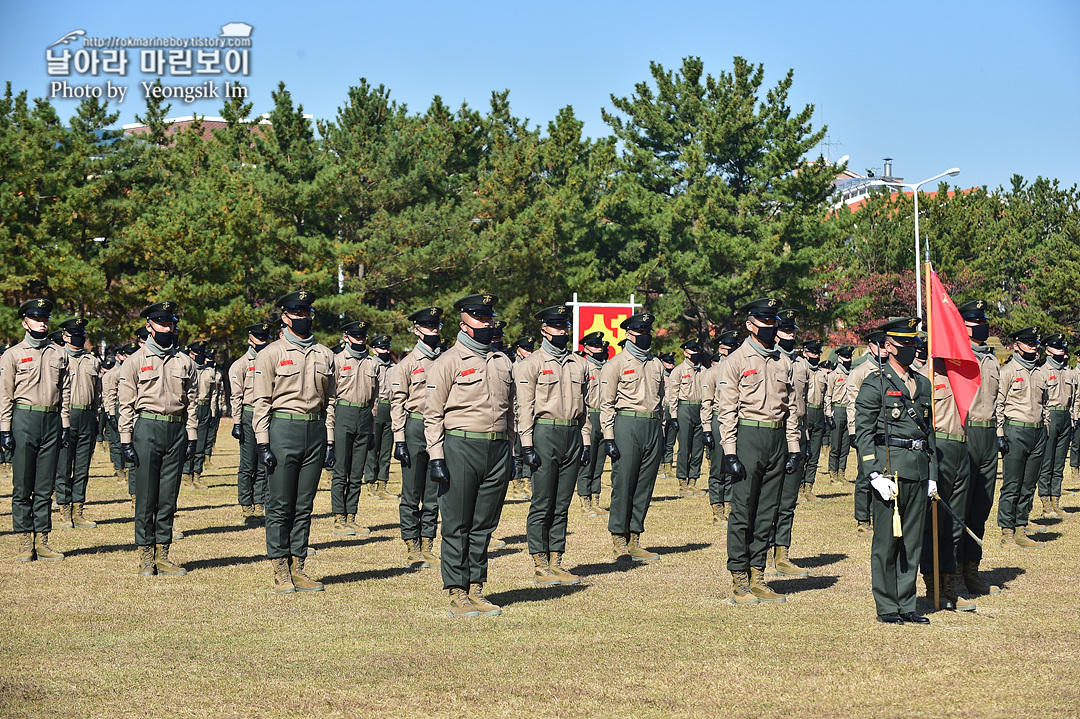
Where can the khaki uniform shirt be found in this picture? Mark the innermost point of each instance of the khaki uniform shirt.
(469, 393)
(751, 386)
(356, 381)
(630, 385)
(384, 371)
(221, 402)
(800, 377)
(408, 393)
(592, 396)
(946, 413)
(157, 385)
(984, 405)
(854, 383)
(85, 381)
(548, 388)
(208, 386)
(818, 386)
(708, 390)
(687, 385)
(37, 377)
(1021, 395)
(289, 378)
(1060, 386)
(109, 382)
(242, 383)
(1075, 412)
(671, 391)
(836, 392)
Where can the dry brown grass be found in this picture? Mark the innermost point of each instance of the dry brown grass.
(87, 637)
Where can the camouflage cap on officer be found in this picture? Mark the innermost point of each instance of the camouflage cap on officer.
(640, 322)
(261, 330)
(427, 316)
(382, 342)
(692, 345)
(730, 338)
(525, 343)
(1028, 335)
(359, 328)
(765, 308)
(75, 325)
(39, 308)
(557, 315)
(903, 329)
(299, 301)
(480, 305)
(1055, 340)
(593, 339)
(973, 311)
(162, 312)
(785, 319)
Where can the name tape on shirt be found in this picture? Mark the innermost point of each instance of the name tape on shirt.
(628, 371)
(418, 370)
(749, 372)
(26, 359)
(939, 386)
(467, 372)
(1018, 379)
(147, 367)
(348, 366)
(551, 371)
(282, 363)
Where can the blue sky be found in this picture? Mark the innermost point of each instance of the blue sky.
(990, 87)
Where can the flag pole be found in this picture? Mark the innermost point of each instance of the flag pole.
(933, 423)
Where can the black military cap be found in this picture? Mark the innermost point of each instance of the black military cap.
(161, 312)
(876, 336)
(901, 328)
(786, 319)
(525, 343)
(57, 337)
(845, 350)
(108, 363)
(127, 349)
(812, 346)
(766, 307)
(667, 358)
(359, 328)
(198, 347)
(481, 305)
(75, 325)
(692, 345)
(642, 322)
(38, 308)
(1055, 340)
(260, 329)
(444, 345)
(299, 301)
(559, 314)
(500, 326)
(593, 338)
(142, 333)
(381, 341)
(427, 316)
(4, 348)
(730, 338)
(1030, 335)
(622, 342)
(974, 310)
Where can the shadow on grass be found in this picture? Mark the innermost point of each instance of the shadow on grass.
(367, 574)
(223, 529)
(806, 584)
(821, 560)
(1044, 535)
(102, 502)
(680, 548)
(355, 542)
(221, 562)
(204, 506)
(832, 495)
(1001, 576)
(115, 520)
(502, 552)
(515, 539)
(598, 568)
(384, 527)
(101, 549)
(537, 594)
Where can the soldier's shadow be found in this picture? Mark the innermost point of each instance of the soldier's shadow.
(520, 596)
(1044, 535)
(830, 495)
(358, 541)
(223, 529)
(598, 568)
(383, 527)
(821, 560)
(99, 549)
(102, 502)
(805, 584)
(1001, 576)
(679, 548)
(223, 562)
(366, 574)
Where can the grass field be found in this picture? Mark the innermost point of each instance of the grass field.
(86, 637)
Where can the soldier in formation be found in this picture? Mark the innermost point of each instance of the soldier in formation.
(73, 466)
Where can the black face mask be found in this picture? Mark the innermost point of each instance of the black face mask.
(813, 360)
(697, 357)
(483, 335)
(1028, 356)
(786, 345)
(920, 354)
(302, 327)
(164, 340)
(384, 355)
(357, 345)
(77, 340)
(905, 356)
(38, 335)
(431, 341)
(980, 333)
(199, 359)
(260, 348)
(845, 362)
(766, 336)
(643, 342)
(600, 355)
(559, 341)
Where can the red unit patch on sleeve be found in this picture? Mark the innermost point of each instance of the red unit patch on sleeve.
(282, 363)
(467, 372)
(895, 393)
(749, 372)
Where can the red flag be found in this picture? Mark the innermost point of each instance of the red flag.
(949, 341)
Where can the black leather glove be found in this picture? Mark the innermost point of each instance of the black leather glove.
(1003, 446)
(851, 440)
(830, 423)
(65, 437)
(114, 421)
(673, 425)
(794, 459)
(329, 458)
(708, 439)
(127, 452)
(266, 457)
(1072, 431)
(7, 441)
(189, 450)
(238, 432)
(530, 458)
(733, 467)
(586, 456)
(438, 472)
(611, 450)
(401, 453)
(807, 451)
